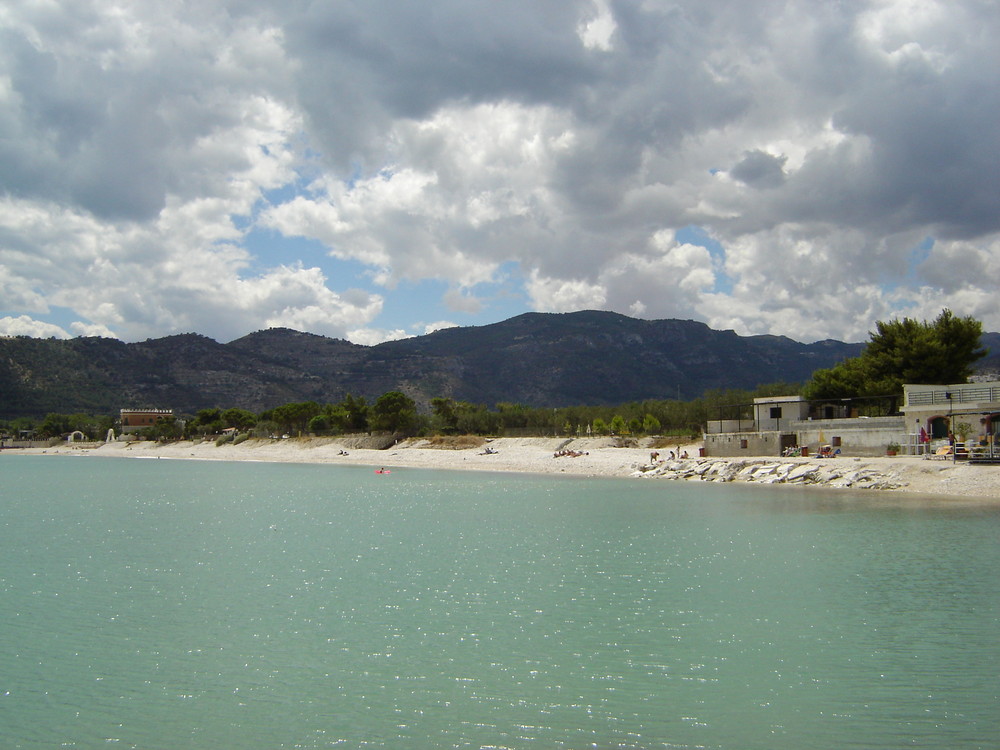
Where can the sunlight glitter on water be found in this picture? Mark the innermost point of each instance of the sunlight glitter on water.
(166, 604)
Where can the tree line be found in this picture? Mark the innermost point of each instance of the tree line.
(396, 413)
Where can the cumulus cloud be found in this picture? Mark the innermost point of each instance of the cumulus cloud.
(772, 167)
(179, 274)
(438, 326)
(372, 336)
(468, 200)
(23, 325)
(564, 295)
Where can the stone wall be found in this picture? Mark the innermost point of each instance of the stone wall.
(735, 444)
(854, 437)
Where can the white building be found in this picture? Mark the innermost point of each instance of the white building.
(781, 423)
(929, 417)
(970, 411)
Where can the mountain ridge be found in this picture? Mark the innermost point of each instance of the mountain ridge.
(536, 359)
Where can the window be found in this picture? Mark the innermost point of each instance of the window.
(775, 412)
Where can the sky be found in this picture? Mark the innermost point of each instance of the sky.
(376, 169)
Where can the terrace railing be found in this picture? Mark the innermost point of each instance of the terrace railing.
(964, 395)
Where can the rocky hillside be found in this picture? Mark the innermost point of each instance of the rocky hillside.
(534, 359)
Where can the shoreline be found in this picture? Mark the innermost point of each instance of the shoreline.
(902, 476)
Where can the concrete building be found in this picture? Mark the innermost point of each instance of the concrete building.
(968, 411)
(771, 426)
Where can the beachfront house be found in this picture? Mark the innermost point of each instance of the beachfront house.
(133, 420)
(780, 412)
(781, 425)
(967, 413)
(931, 416)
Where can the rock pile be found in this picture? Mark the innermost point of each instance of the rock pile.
(829, 472)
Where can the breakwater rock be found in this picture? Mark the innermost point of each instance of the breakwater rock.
(829, 472)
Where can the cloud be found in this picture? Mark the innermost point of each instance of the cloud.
(222, 167)
(438, 326)
(597, 32)
(372, 336)
(468, 200)
(181, 274)
(22, 325)
(90, 329)
(564, 295)
(458, 301)
(760, 169)
(115, 107)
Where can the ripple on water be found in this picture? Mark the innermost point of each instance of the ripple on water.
(165, 604)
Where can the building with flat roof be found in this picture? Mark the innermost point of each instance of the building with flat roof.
(968, 411)
(133, 420)
(965, 416)
(790, 425)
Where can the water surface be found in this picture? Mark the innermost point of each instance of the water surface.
(175, 604)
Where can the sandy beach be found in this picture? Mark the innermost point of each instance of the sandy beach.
(592, 457)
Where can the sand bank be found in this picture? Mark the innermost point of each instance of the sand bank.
(595, 457)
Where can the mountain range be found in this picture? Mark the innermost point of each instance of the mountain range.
(535, 359)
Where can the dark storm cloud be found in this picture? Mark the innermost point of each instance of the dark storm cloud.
(361, 66)
(759, 169)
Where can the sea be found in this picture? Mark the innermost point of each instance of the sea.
(165, 604)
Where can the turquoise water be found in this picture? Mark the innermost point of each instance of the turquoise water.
(172, 604)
